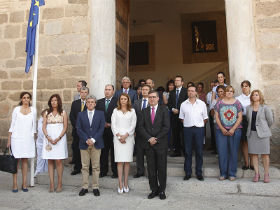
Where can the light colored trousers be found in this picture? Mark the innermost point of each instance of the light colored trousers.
(92, 154)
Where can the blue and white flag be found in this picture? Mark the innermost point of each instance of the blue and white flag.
(31, 32)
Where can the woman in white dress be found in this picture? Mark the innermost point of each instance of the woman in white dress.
(21, 136)
(42, 165)
(55, 142)
(123, 127)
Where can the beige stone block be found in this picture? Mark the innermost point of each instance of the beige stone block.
(3, 75)
(53, 27)
(73, 59)
(41, 84)
(12, 31)
(78, 1)
(44, 73)
(42, 27)
(271, 22)
(4, 109)
(48, 61)
(20, 48)
(5, 50)
(3, 18)
(67, 26)
(4, 128)
(67, 95)
(270, 54)
(44, 45)
(76, 10)
(71, 83)
(268, 8)
(81, 24)
(3, 96)
(11, 85)
(16, 63)
(19, 74)
(53, 13)
(23, 30)
(55, 84)
(44, 95)
(17, 17)
(270, 72)
(271, 92)
(28, 85)
(15, 96)
(270, 39)
(79, 71)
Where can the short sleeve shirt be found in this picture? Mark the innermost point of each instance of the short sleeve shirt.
(228, 113)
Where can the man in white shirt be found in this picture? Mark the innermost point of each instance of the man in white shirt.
(193, 113)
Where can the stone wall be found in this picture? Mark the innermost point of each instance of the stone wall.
(63, 53)
(267, 28)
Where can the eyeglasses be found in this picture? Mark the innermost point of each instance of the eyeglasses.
(152, 97)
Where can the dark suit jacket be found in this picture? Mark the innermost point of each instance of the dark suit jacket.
(159, 129)
(112, 105)
(75, 109)
(172, 99)
(132, 94)
(85, 131)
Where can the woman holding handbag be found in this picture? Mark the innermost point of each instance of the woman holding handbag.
(21, 136)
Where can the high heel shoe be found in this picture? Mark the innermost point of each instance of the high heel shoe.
(256, 178)
(266, 178)
(120, 191)
(126, 189)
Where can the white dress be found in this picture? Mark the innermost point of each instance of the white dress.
(42, 165)
(123, 123)
(54, 129)
(23, 128)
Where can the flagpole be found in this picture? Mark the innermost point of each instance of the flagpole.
(34, 95)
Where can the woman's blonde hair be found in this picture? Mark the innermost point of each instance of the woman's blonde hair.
(228, 88)
(128, 106)
(260, 94)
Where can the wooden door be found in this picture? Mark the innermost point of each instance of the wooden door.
(122, 40)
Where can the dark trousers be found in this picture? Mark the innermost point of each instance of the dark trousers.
(108, 148)
(212, 129)
(157, 168)
(76, 157)
(140, 152)
(177, 134)
(193, 136)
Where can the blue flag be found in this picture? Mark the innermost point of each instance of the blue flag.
(31, 32)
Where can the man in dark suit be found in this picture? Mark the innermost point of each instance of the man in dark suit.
(139, 105)
(126, 89)
(107, 105)
(153, 126)
(90, 127)
(176, 97)
(151, 83)
(76, 107)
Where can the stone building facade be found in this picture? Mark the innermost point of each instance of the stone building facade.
(69, 50)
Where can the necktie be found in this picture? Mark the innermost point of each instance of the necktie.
(107, 104)
(153, 115)
(177, 97)
(125, 90)
(90, 118)
(83, 106)
(144, 103)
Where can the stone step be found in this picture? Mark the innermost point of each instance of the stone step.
(176, 184)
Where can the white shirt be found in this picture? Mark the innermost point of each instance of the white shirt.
(179, 88)
(125, 89)
(92, 139)
(147, 102)
(208, 98)
(156, 106)
(245, 101)
(193, 114)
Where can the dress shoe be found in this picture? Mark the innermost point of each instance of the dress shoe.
(200, 178)
(162, 196)
(15, 190)
(266, 178)
(126, 189)
(114, 176)
(75, 172)
(96, 192)
(83, 192)
(138, 175)
(120, 191)
(256, 178)
(245, 167)
(231, 178)
(252, 168)
(175, 155)
(152, 195)
(222, 178)
(24, 189)
(102, 175)
(187, 177)
(58, 190)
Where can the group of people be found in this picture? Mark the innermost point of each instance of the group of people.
(143, 121)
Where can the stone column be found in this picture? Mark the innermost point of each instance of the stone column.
(102, 46)
(241, 43)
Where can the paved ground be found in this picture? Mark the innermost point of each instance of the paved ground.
(39, 198)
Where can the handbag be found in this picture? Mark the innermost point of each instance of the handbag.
(8, 163)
